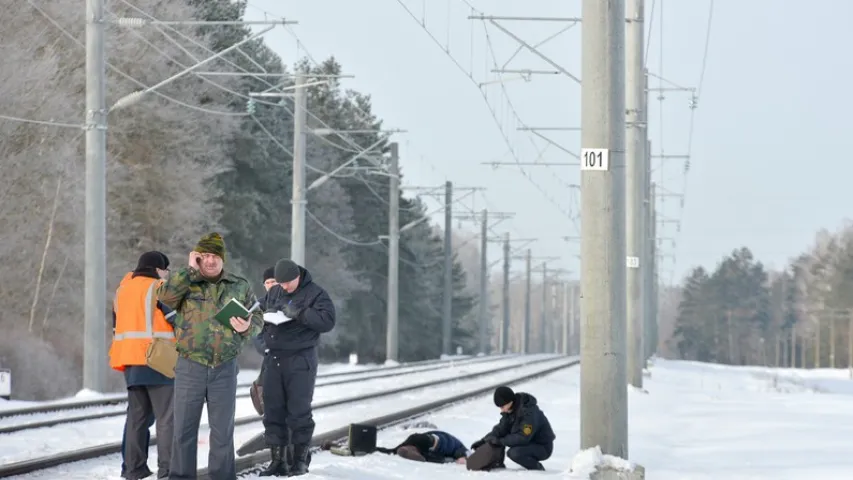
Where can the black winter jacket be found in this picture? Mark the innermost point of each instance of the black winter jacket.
(525, 424)
(317, 315)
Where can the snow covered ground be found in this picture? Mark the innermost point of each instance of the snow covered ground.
(33, 443)
(696, 422)
(244, 378)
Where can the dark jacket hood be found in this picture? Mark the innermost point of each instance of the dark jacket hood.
(304, 279)
(523, 401)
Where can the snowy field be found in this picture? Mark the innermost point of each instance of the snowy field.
(696, 422)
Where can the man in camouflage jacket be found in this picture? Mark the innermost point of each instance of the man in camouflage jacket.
(207, 356)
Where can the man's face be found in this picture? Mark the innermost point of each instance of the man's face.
(210, 265)
(163, 272)
(268, 284)
(290, 286)
(506, 408)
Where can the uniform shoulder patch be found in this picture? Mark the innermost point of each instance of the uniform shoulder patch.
(527, 429)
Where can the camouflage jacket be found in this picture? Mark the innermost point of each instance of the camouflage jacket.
(200, 337)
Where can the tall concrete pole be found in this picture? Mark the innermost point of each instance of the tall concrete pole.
(635, 176)
(392, 333)
(447, 319)
(604, 402)
(504, 347)
(484, 283)
(543, 319)
(95, 270)
(298, 201)
(525, 334)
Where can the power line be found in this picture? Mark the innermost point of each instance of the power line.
(339, 236)
(49, 123)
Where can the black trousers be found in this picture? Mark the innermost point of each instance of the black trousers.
(142, 403)
(529, 456)
(288, 393)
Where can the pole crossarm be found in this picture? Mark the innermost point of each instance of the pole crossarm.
(532, 164)
(530, 48)
(525, 19)
(136, 96)
(142, 22)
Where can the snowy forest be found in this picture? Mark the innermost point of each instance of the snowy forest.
(743, 314)
(191, 158)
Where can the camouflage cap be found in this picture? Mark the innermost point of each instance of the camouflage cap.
(211, 243)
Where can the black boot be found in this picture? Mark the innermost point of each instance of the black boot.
(301, 460)
(278, 466)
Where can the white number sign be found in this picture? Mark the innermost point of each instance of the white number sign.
(633, 262)
(595, 159)
(5, 383)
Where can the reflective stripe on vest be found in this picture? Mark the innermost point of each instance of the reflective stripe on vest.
(149, 321)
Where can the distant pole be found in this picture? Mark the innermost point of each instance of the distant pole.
(543, 319)
(95, 270)
(525, 334)
(604, 402)
(392, 334)
(565, 320)
(505, 300)
(653, 322)
(298, 202)
(484, 283)
(635, 176)
(447, 320)
(573, 320)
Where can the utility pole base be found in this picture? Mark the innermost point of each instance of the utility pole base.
(608, 472)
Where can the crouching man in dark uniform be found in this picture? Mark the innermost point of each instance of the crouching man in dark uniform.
(523, 428)
(291, 364)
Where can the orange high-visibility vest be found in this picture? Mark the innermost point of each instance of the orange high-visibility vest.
(138, 321)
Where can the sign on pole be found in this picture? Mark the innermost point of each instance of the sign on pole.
(595, 159)
(5, 383)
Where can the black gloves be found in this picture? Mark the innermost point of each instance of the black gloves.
(291, 311)
(491, 440)
(477, 444)
(495, 442)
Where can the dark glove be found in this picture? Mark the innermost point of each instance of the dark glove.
(477, 444)
(290, 311)
(495, 442)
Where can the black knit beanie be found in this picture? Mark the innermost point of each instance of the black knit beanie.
(269, 273)
(503, 395)
(286, 270)
(152, 260)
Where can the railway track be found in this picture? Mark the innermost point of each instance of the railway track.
(337, 411)
(252, 464)
(117, 409)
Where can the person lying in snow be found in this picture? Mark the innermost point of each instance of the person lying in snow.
(432, 446)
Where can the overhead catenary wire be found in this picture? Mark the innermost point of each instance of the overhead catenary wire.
(49, 123)
(126, 76)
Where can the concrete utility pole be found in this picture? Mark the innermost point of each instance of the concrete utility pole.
(604, 402)
(543, 318)
(484, 283)
(392, 334)
(95, 282)
(525, 333)
(447, 319)
(298, 202)
(635, 176)
(504, 343)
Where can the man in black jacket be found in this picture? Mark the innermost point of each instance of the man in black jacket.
(291, 364)
(523, 428)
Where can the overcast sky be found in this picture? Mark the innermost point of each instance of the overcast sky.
(774, 96)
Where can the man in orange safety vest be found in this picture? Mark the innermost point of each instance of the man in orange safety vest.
(140, 318)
